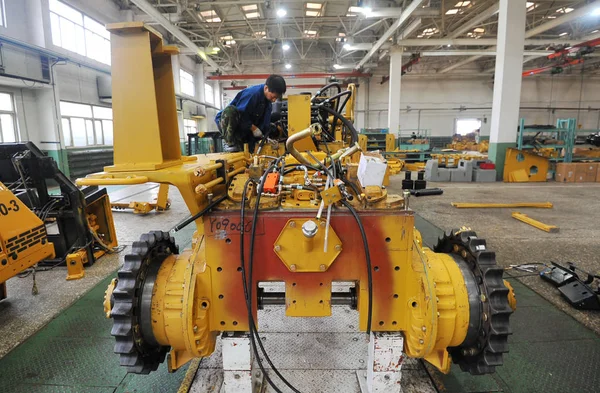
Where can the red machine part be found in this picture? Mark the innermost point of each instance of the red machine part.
(589, 45)
(536, 71)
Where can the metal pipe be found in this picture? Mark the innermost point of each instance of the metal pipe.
(340, 75)
(389, 32)
(213, 183)
(236, 171)
(278, 299)
(289, 144)
(212, 166)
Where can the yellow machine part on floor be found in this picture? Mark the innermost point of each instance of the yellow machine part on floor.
(23, 239)
(522, 166)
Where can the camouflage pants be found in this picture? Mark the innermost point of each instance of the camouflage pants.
(229, 126)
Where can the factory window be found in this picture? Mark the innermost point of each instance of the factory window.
(86, 125)
(467, 126)
(79, 33)
(209, 94)
(190, 126)
(8, 129)
(187, 83)
(2, 14)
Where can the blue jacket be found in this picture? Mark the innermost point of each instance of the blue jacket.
(253, 107)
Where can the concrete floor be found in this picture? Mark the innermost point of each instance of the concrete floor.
(23, 314)
(575, 212)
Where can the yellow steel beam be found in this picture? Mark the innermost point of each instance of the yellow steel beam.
(535, 223)
(464, 205)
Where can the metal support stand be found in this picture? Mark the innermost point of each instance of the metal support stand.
(238, 375)
(384, 365)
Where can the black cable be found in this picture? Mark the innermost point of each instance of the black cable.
(196, 216)
(251, 323)
(325, 88)
(248, 285)
(345, 122)
(368, 259)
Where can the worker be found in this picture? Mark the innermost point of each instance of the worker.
(413, 136)
(248, 117)
(477, 135)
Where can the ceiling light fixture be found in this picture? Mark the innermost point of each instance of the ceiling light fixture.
(596, 12)
(288, 66)
(281, 12)
(285, 47)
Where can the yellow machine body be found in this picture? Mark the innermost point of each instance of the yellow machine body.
(198, 293)
(23, 241)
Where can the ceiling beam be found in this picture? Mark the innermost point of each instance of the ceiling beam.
(578, 13)
(174, 30)
(389, 32)
(476, 21)
(475, 42)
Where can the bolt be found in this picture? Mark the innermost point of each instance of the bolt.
(421, 342)
(322, 268)
(197, 342)
(483, 298)
(293, 224)
(237, 376)
(338, 247)
(278, 248)
(195, 328)
(485, 317)
(424, 328)
(463, 254)
(309, 228)
(437, 299)
(293, 268)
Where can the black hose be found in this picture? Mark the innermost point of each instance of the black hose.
(345, 122)
(368, 259)
(196, 216)
(325, 88)
(338, 108)
(248, 284)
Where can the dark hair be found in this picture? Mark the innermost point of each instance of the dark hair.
(276, 84)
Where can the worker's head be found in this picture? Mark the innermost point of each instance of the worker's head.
(274, 87)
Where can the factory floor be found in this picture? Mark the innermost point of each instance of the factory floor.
(58, 341)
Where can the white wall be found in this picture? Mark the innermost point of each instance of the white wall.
(435, 103)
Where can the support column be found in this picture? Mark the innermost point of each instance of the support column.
(394, 95)
(507, 81)
(384, 364)
(237, 363)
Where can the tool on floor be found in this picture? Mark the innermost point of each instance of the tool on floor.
(535, 223)
(578, 292)
(427, 192)
(530, 268)
(465, 205)
(273, 218)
